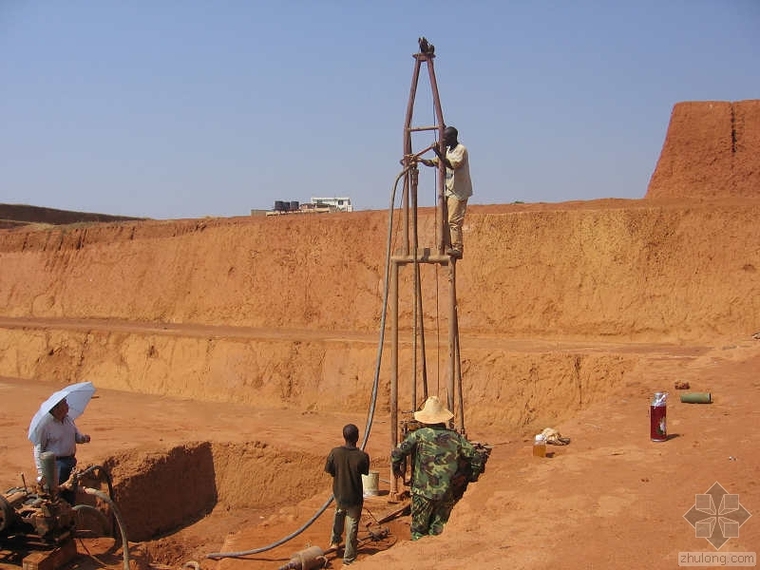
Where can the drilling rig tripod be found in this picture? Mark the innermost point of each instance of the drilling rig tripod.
(412, 254)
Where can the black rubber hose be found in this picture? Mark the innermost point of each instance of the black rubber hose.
(94, 510)
(384, 312)
(122, 527)
(373, 398)
(102, 470)
(107, 476)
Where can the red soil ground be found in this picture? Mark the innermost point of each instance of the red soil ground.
(228, 353)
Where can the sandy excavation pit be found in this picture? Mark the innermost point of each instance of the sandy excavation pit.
(182, 498)
(163, 490)
(228, 354)
(179, 497)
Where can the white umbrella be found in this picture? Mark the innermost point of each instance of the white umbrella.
(77, 397)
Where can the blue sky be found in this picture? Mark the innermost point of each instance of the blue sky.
(191, 108)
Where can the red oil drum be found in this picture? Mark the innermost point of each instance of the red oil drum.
(658, 429)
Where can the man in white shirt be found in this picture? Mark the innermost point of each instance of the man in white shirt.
(458, 186)
(59, 435)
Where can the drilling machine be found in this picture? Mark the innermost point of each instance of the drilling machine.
(40, 514)
(41, 519)
(411, 254)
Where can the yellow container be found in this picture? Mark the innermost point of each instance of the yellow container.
(539, 446)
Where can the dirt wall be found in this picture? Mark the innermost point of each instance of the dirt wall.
(319, 374)
(160, 488)
(712, 149)
(285, 311)
(596, 270)
(17, 214)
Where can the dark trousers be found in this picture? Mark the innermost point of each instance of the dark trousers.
(65, 467)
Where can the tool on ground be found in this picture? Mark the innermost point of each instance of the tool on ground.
(312, 557)
(696, 398)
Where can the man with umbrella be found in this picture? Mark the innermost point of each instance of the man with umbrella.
(52, 429)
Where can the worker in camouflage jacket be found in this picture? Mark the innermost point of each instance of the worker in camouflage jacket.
(438, 453)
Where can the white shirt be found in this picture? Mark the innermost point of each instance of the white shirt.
(57, 437)
(458, 182)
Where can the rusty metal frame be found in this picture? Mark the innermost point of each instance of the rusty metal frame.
(411, 254)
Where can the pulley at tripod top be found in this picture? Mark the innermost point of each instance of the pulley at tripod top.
(426, 47)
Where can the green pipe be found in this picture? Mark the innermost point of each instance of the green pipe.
(696, 398)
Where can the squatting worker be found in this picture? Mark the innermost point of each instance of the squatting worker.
(458, 186)
(59, 435)
(347, 464)
(437, 451)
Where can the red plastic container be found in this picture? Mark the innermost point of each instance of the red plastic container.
(658, 427)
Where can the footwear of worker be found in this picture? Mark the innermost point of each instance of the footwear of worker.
(454, 252)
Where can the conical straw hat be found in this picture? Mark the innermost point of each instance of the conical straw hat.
(433, 412)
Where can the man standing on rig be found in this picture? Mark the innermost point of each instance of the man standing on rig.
(458, 186)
